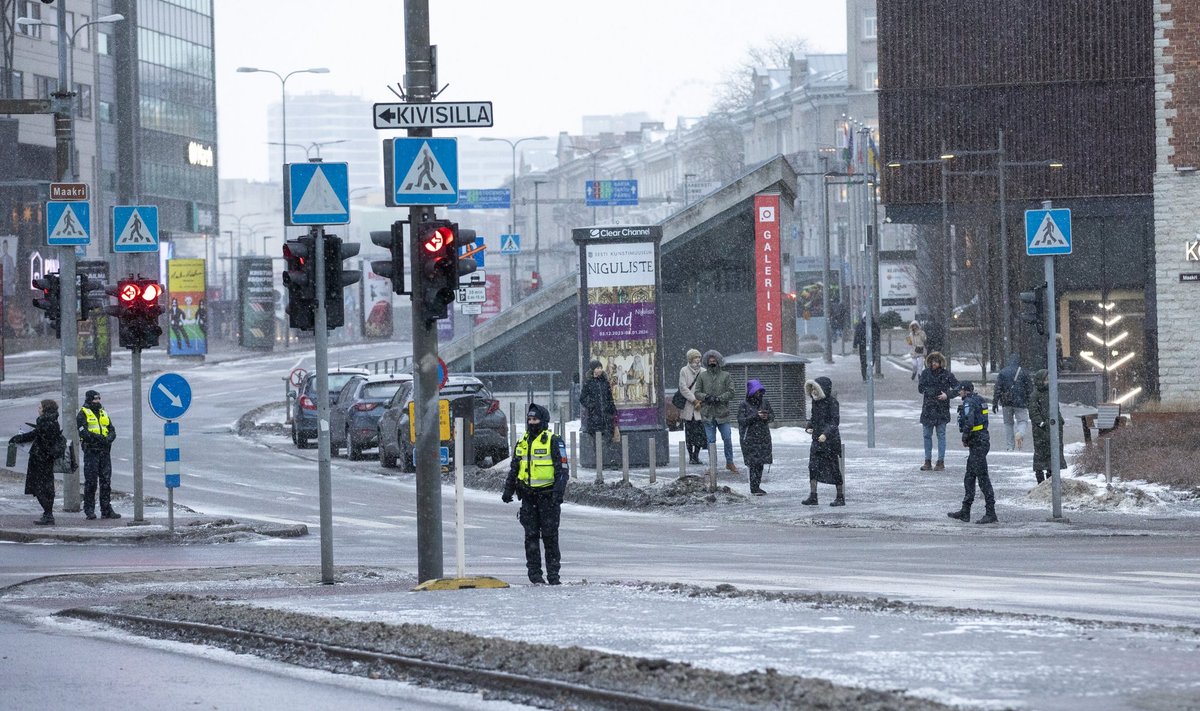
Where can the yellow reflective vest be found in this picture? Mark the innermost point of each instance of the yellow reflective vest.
(96, 425)
(537, 468)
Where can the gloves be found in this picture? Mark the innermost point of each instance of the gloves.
(558, 498)
(712, 400)
(506, 497)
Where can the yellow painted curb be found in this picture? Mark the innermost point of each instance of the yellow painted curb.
(471, 583)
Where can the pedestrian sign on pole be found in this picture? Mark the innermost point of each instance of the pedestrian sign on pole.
(317, 193)
(510, 244)
(135, 228)
(68, 223)
(1047, 232)
(421, 171)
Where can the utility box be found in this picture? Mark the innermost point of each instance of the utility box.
(783, 376)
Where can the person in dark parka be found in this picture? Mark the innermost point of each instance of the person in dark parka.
(48, 445)
(973, 424)
(596, 398)
(936, 385)
(824, 455)
(538, 476)
(860, 342)
(1040, 415)
(754, 432)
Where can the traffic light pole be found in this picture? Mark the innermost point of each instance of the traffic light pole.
(1052, 369)
(419, 74)
(324, 480)
(136, 414)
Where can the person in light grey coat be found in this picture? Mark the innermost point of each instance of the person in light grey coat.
(693, 423)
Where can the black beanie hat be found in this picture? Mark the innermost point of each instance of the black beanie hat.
(90, 395)
(967, 385)
(594, 363)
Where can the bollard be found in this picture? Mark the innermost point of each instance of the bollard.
(599, 438)
(712, 466)
(1107, 464)
(574, 454)
(653, 456)
(625, 461)
(682, 459)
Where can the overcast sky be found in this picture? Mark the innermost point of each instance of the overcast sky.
(543, 63)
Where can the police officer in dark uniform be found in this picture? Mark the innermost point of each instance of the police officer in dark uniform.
(973, 424)
(538, 476)
(96, 433)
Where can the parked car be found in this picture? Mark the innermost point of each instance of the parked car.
(304, 404)
(354, 418)
(491, 425)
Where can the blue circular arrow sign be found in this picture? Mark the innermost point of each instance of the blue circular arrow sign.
(170, 396)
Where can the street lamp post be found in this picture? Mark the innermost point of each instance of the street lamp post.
(594, 154)
(512, 226)
(64, 119)
(309, 148)
(537, 232)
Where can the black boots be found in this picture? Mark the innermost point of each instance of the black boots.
(989, 516)
(839, 501)
(1040, 475)
(963, 514)
(927, 466)
(110, 514)
(45, 520)
(810, 501)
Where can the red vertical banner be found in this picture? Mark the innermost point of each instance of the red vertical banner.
(769, 278)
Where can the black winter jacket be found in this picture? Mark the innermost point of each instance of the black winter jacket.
(600, 412)
(933, 383)
(754, 433)
(48, 444)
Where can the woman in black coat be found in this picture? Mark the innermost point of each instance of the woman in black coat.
(824, 456)
(599, 410)
(754, 432)
(48, 445)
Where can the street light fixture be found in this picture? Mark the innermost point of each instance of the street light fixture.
(512, 260)
(309, 148)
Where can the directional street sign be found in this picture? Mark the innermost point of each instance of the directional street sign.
(170, 396)
(135, 228)
(421, 171)
(610, 193)
(490, 199)
(68, 223)
(317, 193)
(510, 244)
(1047, 232)
(462, 114)
(68, 191)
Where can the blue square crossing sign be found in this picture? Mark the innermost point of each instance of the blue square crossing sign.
(1047, 232)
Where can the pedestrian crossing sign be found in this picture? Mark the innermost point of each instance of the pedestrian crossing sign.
(135, 228)
(68, 223)
(317, 193)
(510, 244)
(421, 171)
(1047, 232)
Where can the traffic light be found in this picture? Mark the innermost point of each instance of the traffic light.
(392, 268)
(300, 278)
(437, 256)
(137, 310)
(51, 300)
(1032, 307)
(337, 278)
(465, 238)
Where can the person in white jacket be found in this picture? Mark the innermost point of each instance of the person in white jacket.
(693, 424)
(916, 350)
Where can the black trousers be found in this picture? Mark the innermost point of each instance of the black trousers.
(539, 516)
(862, 360)
(756, 472)
(97, 473)
(977, 471)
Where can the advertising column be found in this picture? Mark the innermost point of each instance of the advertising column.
(256, 301)
(620, 324)
(187, 314)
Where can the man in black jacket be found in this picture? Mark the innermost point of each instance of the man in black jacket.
(860, 342)
(538, 476)
(96, 433)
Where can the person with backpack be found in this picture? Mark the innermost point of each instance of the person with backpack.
(973, 424)
(1013, 389)
(48, 445)
(96, 433)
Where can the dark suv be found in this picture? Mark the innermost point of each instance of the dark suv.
(354, 418)
(491, 425)
(304, 404)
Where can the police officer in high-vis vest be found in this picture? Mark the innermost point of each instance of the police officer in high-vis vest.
(973, 424)
(538, 476)
(96, 434)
